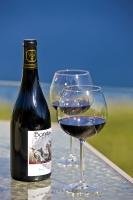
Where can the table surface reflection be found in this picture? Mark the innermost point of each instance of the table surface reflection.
(110, 183)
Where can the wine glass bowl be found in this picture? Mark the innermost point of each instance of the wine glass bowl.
(82, 123)
(64, 78)
(83, 109)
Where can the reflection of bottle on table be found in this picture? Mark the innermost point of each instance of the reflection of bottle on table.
(39, 193)
(31, 191)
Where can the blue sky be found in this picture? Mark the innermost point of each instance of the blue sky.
(90, 34)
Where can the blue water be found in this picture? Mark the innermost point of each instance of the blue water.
(9, 92)
(118, 94)
(96, 35)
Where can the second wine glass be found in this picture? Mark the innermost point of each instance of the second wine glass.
(61, 80)
(86, 118)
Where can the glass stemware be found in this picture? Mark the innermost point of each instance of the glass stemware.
(61, 80)
(86, 115)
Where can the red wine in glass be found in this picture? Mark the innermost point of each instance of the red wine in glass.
(82, 126)
(72, 109)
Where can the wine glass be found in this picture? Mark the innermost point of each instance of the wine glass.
(62, 79)
(86, 116)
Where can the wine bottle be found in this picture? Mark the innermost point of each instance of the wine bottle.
(30, 135)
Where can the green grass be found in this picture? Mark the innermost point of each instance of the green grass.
(115, 140)
(5, 111)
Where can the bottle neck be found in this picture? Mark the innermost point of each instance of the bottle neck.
(30, 77)
(30, 56)
(30, 70)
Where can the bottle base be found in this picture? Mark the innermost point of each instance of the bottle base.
(31, 178)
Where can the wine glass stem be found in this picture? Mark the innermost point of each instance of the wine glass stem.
(71, 145)
(81, 161)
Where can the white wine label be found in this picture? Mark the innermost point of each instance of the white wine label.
(39, 152)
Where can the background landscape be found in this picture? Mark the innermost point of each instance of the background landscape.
(89, 34)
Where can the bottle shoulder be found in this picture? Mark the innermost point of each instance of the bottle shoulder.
(31, 109)
(31, 97)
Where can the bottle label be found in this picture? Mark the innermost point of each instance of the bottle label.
(39, 152)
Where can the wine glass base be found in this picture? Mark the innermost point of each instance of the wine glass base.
(70, 161)
(82, 188)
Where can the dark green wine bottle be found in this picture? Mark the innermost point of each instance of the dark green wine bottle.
(30, 135)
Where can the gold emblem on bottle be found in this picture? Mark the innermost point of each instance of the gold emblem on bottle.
(31, 56)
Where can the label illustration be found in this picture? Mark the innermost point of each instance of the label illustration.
(39, 152)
